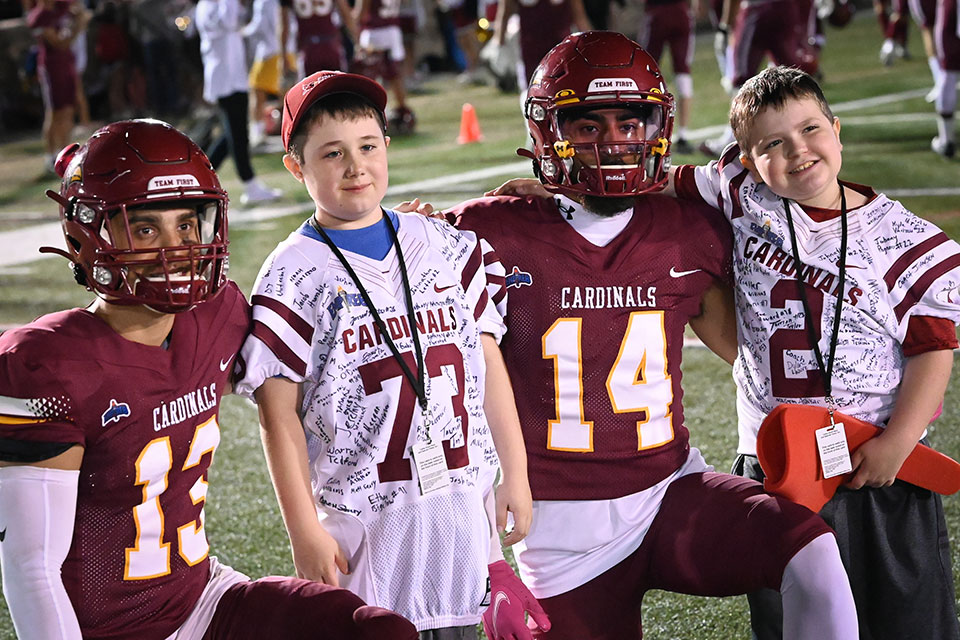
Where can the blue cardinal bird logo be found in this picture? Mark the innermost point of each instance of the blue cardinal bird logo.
(114, 412)
(517, 278)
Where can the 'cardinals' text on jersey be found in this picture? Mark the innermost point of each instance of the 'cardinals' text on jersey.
(147, 419)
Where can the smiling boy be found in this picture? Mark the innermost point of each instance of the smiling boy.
(846, 300)
(374, 363)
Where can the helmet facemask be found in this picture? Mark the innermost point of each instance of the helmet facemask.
(598, 72)
(606, 149)
(167, 279)
(144, 216)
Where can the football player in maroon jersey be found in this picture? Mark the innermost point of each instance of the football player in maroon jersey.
(947, 36)
(603, 278)
(543, 23)
(108, 418)
(760, 28)
(670, 23)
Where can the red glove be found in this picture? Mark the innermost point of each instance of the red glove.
(509, 599)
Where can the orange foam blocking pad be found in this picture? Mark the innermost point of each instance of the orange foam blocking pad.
(787, 449)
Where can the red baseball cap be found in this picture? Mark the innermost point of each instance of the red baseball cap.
(322, 84)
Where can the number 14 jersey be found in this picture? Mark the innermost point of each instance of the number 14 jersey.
(595, 336)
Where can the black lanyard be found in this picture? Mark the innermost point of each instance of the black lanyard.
(826, 372)
(416, 381)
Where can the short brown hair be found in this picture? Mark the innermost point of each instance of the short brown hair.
(771, 88)
(341, 106)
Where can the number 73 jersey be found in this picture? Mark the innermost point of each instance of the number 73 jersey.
(594, 337)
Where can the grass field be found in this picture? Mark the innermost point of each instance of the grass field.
(886, 144)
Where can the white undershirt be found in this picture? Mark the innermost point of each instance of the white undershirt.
(573, 541)
(597, 229)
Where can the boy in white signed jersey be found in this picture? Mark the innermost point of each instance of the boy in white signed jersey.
(868, 332)
(374, 362)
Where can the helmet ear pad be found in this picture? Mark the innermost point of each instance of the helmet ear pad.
(80, 275)
(591, 71)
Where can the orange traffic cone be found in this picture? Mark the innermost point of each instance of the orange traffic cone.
(469, 125)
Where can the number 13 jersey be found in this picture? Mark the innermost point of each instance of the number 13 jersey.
(147, 419)
(595, 336)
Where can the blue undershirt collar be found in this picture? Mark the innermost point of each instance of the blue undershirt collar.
(372, 242)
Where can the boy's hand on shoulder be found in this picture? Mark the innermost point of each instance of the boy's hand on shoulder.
(877, 461)
(318, 558)
(521, 187)
(513, 495)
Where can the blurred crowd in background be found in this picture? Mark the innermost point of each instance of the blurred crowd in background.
(217, 67)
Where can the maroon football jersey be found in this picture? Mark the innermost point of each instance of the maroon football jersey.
(314, 21)
(147, 419)
(594, 337)
(60, 20)
(382, 13)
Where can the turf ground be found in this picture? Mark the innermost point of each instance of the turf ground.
(886, 133)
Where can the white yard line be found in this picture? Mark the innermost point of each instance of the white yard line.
(20, 245)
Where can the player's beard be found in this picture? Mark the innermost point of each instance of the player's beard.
(606, 207)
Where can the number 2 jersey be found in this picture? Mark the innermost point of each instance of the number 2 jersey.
(898, 267)
(147, 419)
(424, 556)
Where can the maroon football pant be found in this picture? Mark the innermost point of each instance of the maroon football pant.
(767, 29)
(715, 535)
(58, 86)
(295, 609)
(669, 25)
(324, 55)
(945, 36)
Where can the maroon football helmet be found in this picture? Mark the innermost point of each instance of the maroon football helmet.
(590, 71)
(124, 168)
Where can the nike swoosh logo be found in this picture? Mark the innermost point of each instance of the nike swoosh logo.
(499, 600)
(442, 289)
(225, 363)
(679, 274)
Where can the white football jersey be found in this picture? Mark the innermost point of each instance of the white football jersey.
(424, 556)
(897, 265)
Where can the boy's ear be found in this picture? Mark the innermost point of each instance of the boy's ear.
(386, 140)
(836, 130)
(293, 166)
(747, 164)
